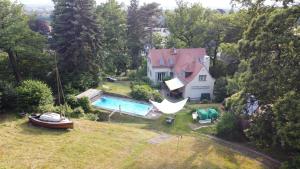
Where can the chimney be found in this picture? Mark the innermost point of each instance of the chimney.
(206, 62)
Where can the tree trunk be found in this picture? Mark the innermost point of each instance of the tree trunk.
(13, 62)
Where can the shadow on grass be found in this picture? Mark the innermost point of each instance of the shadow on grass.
(29, 129)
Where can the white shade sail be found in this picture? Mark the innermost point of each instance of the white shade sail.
(174, 84)
(168, 107)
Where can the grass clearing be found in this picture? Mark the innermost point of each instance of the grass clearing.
(104, 145)
(182, 121)
(119, 87)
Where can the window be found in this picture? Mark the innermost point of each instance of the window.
(161, 76)
(187, 74)
(202, 77)
(171, 74)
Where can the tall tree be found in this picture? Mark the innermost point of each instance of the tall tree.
(134, 33)
(16, 38)
(140, 24)
(113, 19)
(149, 15)
(76, 39)
(188, 24)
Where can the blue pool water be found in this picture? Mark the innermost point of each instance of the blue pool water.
(128, 106)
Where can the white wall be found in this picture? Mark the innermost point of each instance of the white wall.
(195, 88)
(152, 77)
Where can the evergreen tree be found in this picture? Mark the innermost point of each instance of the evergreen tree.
(76, 39)
(134, 33)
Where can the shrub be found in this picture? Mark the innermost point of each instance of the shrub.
(235, 103)
(156, 96)
(286, 110)
(33, 94)
(77, 112)
(91, 116)
(141, 92)
(220, 92)
(65, 109)
(85, 104)
(72, 101)
(228, 127)
(262, 129)
(48, 108)
(9, 95)
(292, 164)
(102, 116)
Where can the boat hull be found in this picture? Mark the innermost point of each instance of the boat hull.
(64, 124)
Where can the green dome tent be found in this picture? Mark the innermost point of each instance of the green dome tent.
(213, 114)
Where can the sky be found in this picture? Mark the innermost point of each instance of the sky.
(166, 4)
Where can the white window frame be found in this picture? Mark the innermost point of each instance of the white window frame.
(202, 77)
(161, 76)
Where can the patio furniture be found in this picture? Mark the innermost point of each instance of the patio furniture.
(195, 116)
(170, 120)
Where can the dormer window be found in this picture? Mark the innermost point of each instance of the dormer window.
(188, 74)
(161, 61)
(171, 61)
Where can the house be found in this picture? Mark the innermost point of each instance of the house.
(188, 69)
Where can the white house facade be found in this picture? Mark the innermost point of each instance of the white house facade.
(189, 66)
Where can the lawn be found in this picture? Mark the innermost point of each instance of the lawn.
(183, 120)
(109, 145)
(120, 87)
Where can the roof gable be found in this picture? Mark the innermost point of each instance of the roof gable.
(181, 61)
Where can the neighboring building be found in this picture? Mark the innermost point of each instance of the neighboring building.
(189, 66)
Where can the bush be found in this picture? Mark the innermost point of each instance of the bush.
(228, 127)
(91, 116)
(102, 116)
(72, 101)
(262, 129)
(141, 92)
(156, 96)
(292, 164)
(286, 110)
(9, 95)
(48, 108)
(85, 104)
(77, 112)
(235, 103)
(144, 92)
(33, 94)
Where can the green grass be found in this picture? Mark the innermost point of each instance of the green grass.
(120, 87)
(107, 145)
(182, 121)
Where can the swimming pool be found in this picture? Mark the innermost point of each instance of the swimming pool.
(126, 105)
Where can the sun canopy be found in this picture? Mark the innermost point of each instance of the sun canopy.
(168, 107)
(174, 84)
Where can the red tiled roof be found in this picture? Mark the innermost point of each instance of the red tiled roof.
(181, 61)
